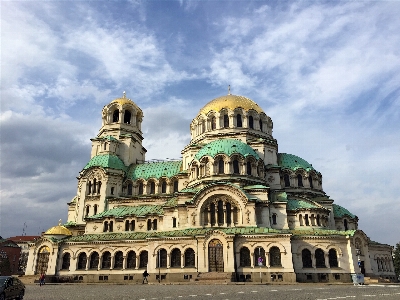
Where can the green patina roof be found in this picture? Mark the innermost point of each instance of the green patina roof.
(226, 146)
(70, 223)
(123, 211)
(110, 138)
(257, 186)
(106, 161)
(293, 162)
(281, 196)
(339, 212)
(299, 204)
(155, 170)
(192, 232)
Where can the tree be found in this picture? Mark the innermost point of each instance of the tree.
(396, 259)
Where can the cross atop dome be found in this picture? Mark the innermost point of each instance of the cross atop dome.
(123, 94)
(229, 89)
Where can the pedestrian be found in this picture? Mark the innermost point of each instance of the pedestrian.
(42, 279)
(145, 275)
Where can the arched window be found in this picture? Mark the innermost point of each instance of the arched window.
(82, 259)
(105, 146)
(110, 226)
(143, 259)
(164, 187)
(189, 258)
(245, 257)
(140, 188)
(286, 179)
(346, 227)
(220, 166)
(95, 209)
(105, 226)
(203, 126)
(173, 222)
(306, 220)
(248, 168)
(212, 214)
(118, 260)
(94, 260)
(94, 186)
(251, 122)
(228, 207)
(358, 245)
(213, 123)
(112, 190)
(310, 181)
(148, 224)
(127, 223)
(299, 180)
(98, 188)
(220, 212)
(152, 187)
(235, 166)
(306, 258)
(130, 189)
(66, 261)
(275, 257)
(239, 120)
(261, 125)
(333, 261)
(161, 258)
(154, 224)
(318, 220)
(106, 260)
(175, 186)
(176, 258)
(319, 258)
(226, 121)
(131, 260)
(87, 210)
(132, 228)
(90, 188)
(273, 219)
(116, 116)
(127, 117)
(259, 256)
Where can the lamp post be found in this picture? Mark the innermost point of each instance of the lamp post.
(358, 252)
(159, 266)
(260, 262)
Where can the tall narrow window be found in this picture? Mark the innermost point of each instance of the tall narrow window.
(116, 116)
(94, 260)
(127, 225)
(175, 186)
(221, 166)
(203, 126)
(286, 179)
(132, 228)
(112, 190)
(248, 168)
(306, 219)
(82, 259)
(310, 181)
(228, 213)
(152, 187)
(105, 226)
(131, 260)
(105, 146)
(118, 260)
(164, 187)
(94, 186)
(173, 222)
(213, 123)
(259, 256)
(140, 188)
(299, 180)
(212, 214)
(319, 258)
(318, 220)
(274, 219)
(346, 227)
(66, 261)
(333, 261)
(130, 189)
(155, 224)
(226, 121)
(90, 188)
(127, 117)
(235, 166)
(87, 211)
(220, 212)
(106, 260)
(251, 122)
(261, 125)
(149, 224)
(189, 258)
(143, 259)
(161, 258)
(306, 258)
(95, 209)
(239, 120)
(110, 227)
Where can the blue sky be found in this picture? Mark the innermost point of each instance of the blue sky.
(327, 73)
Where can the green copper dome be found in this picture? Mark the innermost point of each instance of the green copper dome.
(340, 212)
(106, 161)
(228, 147)
(293, 162)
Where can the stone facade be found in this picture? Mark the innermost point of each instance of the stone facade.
(233, 209)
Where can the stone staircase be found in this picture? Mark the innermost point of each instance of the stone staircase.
(213, 277)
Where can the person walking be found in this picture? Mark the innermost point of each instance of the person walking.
(145, 275)
(41, 279)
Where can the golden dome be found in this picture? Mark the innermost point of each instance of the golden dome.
(123, 100)
(58, 230)
(230, 102)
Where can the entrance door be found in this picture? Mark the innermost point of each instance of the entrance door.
(215, 256)
(42, 260)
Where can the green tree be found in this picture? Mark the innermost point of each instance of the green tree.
(396, 260)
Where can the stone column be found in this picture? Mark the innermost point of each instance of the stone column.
(124, 262)
(224, 215)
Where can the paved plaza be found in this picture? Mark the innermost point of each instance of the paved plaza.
(223, 292)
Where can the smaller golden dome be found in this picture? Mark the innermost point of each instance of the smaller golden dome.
(230, 102)
(123, 100)
(58, 230)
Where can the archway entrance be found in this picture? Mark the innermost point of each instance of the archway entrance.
(215, 256)
(42, 260)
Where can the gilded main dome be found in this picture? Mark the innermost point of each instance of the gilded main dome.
(230, 102)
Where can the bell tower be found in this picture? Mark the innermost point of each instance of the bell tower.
(121, 133)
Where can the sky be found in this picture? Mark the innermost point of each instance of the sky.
(326, 72)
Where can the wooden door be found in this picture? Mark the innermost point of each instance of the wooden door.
(215, 256)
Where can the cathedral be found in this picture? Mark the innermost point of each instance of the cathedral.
(232, 209)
